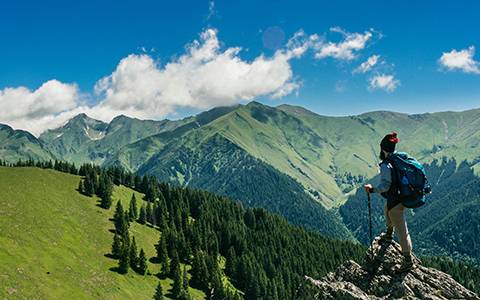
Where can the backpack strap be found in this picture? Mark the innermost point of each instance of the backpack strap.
(391, 195)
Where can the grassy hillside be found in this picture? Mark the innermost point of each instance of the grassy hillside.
(53, 241)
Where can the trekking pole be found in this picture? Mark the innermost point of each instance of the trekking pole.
(370, 222)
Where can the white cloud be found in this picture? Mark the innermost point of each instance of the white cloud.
(347, 48)
(368, 64)
(204, 77)
(460, 60)
(384, 82)
(23, 108)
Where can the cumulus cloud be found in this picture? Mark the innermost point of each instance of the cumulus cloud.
(347, 48)
(204, 77)
(384, 82)
(460, 60)
(24, 108)
(368, 64)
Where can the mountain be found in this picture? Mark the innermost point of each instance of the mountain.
(302, 165)
(56, 243)
(329, 156)
(19, 144)
(83, 139)
(377, 279)
(134, 155)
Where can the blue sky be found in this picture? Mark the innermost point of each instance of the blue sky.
(78, 43)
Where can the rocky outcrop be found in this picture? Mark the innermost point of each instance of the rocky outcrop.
(378, 278)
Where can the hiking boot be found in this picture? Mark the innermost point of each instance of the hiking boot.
(386, 237)
(407, 264)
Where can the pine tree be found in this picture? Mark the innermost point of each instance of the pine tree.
(158, 292)
(80, 187)
(142, 262)
(162, 255)
(89, 183)
(133, 258)
(121, 225)
(116, 246)
(123, 262)
(105, 188)
(153, 214)
(199, 271)
(144, 184)
(133, 211)
(149, 213)
(230, 261)
(151, 192)
(185, 279)
(177, 282)
(174, 263)
(142, 218)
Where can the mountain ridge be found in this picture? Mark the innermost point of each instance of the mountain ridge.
(378, 279)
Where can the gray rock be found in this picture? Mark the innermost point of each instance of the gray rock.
(378, 278)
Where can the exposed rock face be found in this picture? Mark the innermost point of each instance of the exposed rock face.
(379, 279)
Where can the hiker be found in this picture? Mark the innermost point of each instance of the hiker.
(394, 209)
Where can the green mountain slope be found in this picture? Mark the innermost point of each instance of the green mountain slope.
(329, 156)
(216, 164)
(53, 241)
(134, 155)
(19, 144)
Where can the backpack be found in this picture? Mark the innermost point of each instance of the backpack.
(409, 180)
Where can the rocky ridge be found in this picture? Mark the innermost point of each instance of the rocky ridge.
(378, 279)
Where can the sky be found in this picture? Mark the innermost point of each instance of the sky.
(169, 59)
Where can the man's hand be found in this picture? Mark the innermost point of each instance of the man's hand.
(368, 187)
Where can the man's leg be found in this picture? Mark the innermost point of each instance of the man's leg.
(387, 236)
(398, 219)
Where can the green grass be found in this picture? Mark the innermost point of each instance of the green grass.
(53, 241)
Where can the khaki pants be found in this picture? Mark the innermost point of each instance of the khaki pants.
(395, 218)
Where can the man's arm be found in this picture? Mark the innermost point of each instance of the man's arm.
(385, 180)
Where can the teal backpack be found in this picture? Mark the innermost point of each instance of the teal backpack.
(409, 179)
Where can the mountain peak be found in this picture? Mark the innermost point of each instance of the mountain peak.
(121, 117)
(82, 119)
(255, 104)
(377, 279)
(80, 116)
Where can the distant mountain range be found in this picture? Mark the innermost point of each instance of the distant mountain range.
(285, 158)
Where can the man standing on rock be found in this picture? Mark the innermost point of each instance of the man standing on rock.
(394, 209)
